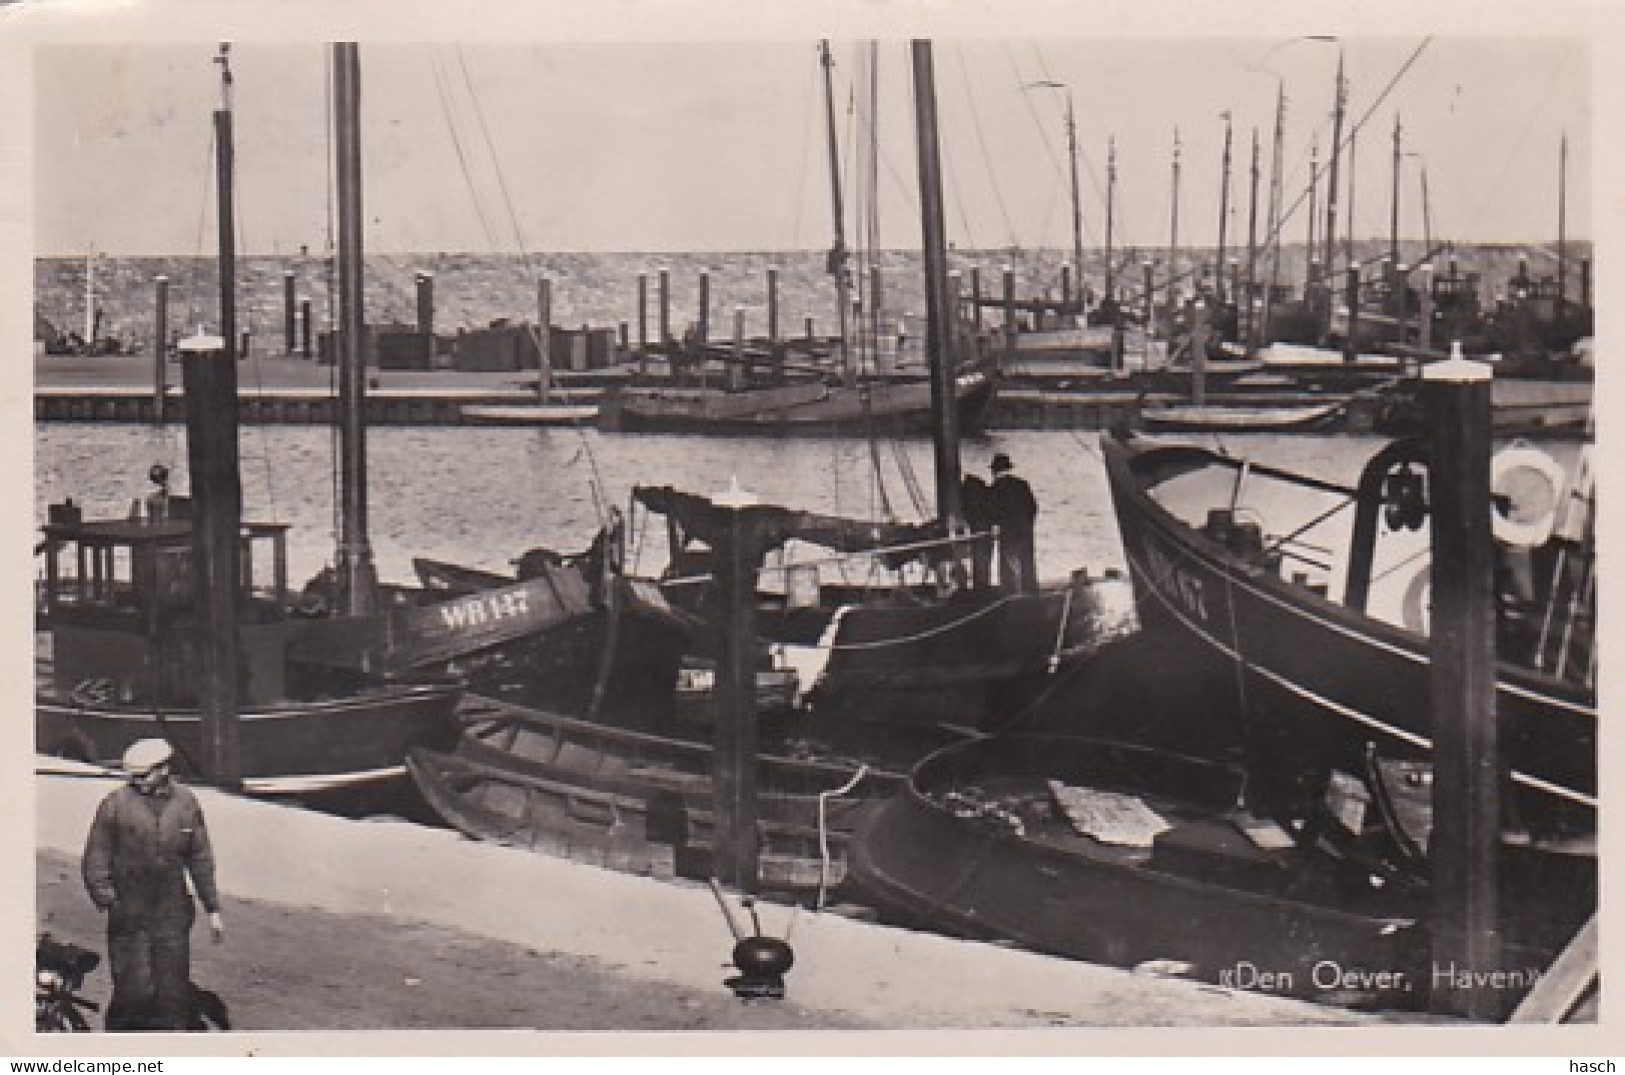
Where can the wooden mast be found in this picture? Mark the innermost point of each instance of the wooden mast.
(1562, 222)
(209, 372)
(1330, 237)
(1224, 210)
(1077, 204)
(940, 334)
(357, 578)
(1111, 190)
(838, 254)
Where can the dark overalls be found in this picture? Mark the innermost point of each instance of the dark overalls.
(137, 856)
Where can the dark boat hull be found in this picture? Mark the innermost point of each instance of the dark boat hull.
(1320, 682)
(632, 800)
(286, 749)
(1243, 916)
(975, 661)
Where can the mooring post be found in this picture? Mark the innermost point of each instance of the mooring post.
(160, 347)
(739, 554)
(976, 297)
(544, 339)
(1149, 308)
(1199, 337)
(1402, 300)
(209, 373)
(1424, 316)
(643, 322)
(705, 309)
(288, 308)
(665, 309)
(772, 307)
(424, 285)
(1351, 295)
(736, 368)
(1467, 772)
(1008, 278)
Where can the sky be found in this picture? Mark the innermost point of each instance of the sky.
(719, 145)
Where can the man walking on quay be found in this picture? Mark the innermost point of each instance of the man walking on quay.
(1015, 511)
(147, 837)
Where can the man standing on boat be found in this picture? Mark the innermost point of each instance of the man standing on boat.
(148, 837)
(1014, 512)
(976, 503)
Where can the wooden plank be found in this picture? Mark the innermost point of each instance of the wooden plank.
(1564, 985)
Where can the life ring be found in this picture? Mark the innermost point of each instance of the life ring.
(1530, 483)
(1416, 607)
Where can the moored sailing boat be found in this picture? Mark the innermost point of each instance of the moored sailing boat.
(1321, 620)
(130, 605)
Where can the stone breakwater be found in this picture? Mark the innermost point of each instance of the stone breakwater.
(600, 289)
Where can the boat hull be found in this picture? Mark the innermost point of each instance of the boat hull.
(290, 748)
(885, 407)
(1245, 917)
(1319, 682)
(1228, 418)
(632, 800)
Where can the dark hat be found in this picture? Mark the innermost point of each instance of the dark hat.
(159, 473)
(1001, 463)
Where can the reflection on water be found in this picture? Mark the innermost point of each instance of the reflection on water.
(480, 496)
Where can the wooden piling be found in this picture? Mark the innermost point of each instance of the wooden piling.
(424, 283)
(976, 296)
(705, 308)
(735, 737)
(544, 339)
(1066, 288)
(1351, 295)
(304, 329)
(160, 347)
(1149, 303)
(288, 309)
(772, 307)
(1467, 770)
(1424, 316)
(209, 373)
(643, 323)
(1008, 277)
(736, 368)
(665, 309)
(1402, 295)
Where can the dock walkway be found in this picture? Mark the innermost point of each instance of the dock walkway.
(393, 880)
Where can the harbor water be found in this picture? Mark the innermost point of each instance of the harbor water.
(481, 496)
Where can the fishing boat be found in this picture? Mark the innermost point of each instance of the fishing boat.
(1310, 597)
(1136, 856)
(118, 663)
(637, 801)
(860, 609)
(887, 407)
(1151, 858)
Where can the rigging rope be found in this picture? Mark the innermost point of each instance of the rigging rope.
(987, 158)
